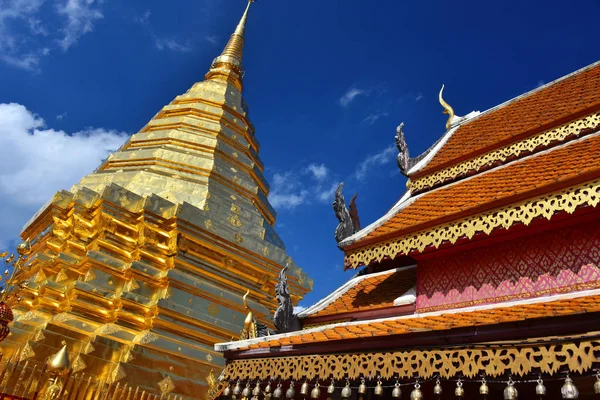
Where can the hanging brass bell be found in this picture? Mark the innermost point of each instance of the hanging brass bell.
(568, 390)
(437, 389)
(378, 389)
(459, 391)
(362, 388)
(396, 392)
(291, 392)
(510, 392)
(346, 391)
(540, 389)
(256, 390)
(484, 390)
(304, 388)
(597, 384)
(316, 392)
(416, 394)
(268, 388)
(246, 392)
(331, 388)
(278, 392)
(237, 389)
(227, 391)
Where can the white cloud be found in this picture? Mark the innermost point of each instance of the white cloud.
(375, 160)
(419, 97)
(326, 194)
(37, 161)
(172, 44)
(371, 119)
(81, 16)
(350, 95)
(319, 172)
(299, 309)
(143, 18)
(214, 40)
(286, 192)
(62, 116)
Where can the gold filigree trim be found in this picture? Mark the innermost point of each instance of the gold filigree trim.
(510, 360)
(524, 212)
(542, 140)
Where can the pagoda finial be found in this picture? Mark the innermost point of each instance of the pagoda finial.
(228, 65)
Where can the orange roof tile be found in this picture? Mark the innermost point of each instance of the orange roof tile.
(496, 187)
(398, 326)
(538, 111)
(372, 293)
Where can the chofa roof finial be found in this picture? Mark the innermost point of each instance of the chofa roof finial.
(447, 109)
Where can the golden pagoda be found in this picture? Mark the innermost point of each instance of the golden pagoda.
(141, 267)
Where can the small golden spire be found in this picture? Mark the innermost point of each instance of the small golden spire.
(230, 59)
(447, 109)
(59, 363)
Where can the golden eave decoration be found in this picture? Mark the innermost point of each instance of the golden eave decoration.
(447, 109)
(567, 200)
(547, 358)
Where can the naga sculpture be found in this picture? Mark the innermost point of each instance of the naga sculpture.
(285, 320)
(403, 156)
(349, 222)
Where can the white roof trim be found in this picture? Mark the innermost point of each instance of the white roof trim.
(401, 204)
(476, 115)
(536, 300)
(324, 303)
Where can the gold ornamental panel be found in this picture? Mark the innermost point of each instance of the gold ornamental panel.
(524, 212)
(544, 139)
(423, 364)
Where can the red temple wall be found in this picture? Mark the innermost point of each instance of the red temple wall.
(547, 263)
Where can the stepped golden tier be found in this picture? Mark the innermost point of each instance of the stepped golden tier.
(141, 267)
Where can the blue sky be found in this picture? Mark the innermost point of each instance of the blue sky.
(327, 83)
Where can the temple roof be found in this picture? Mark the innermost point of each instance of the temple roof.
(531, 309)
(534, 175)
(366, 292)
(541, 109)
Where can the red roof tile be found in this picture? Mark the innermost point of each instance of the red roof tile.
(558, 167)
(372, 293)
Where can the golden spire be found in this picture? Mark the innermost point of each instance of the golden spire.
(447, 109)
(228, 65)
